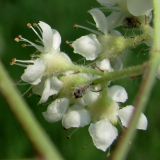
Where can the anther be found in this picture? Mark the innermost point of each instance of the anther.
(29, 25)
(17, 39)
(13, 61)
(69, 43)
(20, 37)
(75, 26)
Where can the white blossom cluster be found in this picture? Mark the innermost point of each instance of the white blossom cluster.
(76, 100)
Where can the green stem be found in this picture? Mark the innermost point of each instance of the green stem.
(145, 90)
(127, 72)
(31, 126)
(87, 70)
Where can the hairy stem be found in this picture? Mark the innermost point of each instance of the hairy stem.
(127, 72)
(145, 89)
(36, 134)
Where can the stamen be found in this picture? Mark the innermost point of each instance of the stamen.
(69, 43)
(31, 43)
(39, 28)
(38, 41)
(27, 91)
(24, 61)
(29, 25)
(88, 29)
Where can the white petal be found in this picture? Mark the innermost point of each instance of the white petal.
(100, 19)
(47, 36)
(46, 92)
(118, 93)
(103, 134)
(107, 3)
(56, 40)
(117, 63)
(90, 97)
(38, 89)
(56, 85)
(88, 46)
(76, 118)
(125, 115)
(104, 65)
(33, 73)
(139, 7)
(114, 20)
(56, 110)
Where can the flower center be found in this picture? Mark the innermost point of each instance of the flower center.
(56, 62)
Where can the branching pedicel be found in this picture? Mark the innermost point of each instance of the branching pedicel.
(78, 101)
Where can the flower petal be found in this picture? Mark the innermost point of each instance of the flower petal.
(90, 97)
(33, 73)
(103, 134)
(56, 110)
(125, 115)
(47, 36)
(107, 3)
(139, 7)
(100, 19)
(56, 40)
(76, 118)
(46, 92)
(118, 93)
(56, 85)
(114, 20)
(104, 65)
(88, 46)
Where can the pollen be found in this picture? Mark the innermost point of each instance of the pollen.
(29, 25)
(13, 61)
(17, 39)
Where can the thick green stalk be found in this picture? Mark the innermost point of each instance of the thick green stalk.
(145, 89)
(31, 126)
(127, 72)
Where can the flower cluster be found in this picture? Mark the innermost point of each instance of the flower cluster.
(76, 100)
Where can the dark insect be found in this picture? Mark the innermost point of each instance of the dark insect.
(132, 22)
(79, 92)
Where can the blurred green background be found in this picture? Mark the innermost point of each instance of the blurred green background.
(62, 15)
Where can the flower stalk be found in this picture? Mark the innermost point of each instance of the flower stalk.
(124, 73)
(145, 89)
(36, 134)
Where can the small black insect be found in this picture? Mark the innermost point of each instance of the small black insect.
(132, 22)
(79, 92)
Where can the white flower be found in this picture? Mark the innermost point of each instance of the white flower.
(103, 134)
(88, 46)
(76, 117)
(125, 8)
(139, 8)
(56, 110)
(92, 45)
(136, 7)
(125, 115)
(118, 93)
(50, 61)
(47, 87)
